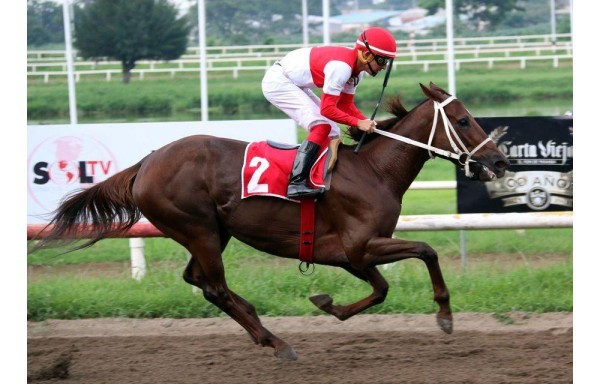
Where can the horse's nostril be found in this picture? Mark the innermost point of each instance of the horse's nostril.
(501, 163)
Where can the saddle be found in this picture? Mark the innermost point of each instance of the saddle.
(332, 148)
(267, 167)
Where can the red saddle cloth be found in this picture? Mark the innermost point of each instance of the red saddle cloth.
(266, 170)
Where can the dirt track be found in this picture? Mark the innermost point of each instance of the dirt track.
(523, 348)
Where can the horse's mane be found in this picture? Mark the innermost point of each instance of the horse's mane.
(395, 107)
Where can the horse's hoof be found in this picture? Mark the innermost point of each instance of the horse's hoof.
(445, 323)
(321, 301)
(286, 353)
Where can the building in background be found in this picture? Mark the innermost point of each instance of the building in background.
(413, 21)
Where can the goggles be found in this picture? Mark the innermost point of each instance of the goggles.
(381, 60)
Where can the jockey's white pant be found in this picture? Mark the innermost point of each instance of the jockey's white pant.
(300, 104)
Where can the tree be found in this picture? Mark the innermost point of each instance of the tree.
(129, 31)
(44, 23)
(480, 13)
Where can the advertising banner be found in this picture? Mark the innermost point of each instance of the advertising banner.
(64, 158)
(540, 176)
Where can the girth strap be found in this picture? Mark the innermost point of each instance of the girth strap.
(307, 229)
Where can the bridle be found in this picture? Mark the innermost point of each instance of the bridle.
(462, 154)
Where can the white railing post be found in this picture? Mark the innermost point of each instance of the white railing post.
(463, 249)
(138, 261)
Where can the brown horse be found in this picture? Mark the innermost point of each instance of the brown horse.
(190, 190)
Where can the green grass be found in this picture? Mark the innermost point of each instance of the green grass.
(241, 98)
(278, 289)
(500, 276)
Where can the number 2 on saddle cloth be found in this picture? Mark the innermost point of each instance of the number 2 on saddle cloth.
(266, 172)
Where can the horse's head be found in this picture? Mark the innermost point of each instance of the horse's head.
(455, 130)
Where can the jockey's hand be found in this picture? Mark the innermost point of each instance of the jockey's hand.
(367, 125)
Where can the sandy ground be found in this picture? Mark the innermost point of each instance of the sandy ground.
(518, 348)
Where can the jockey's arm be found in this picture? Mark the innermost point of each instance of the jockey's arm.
(346, 104)
(330, 108)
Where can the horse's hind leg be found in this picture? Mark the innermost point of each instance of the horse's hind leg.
(205, 270)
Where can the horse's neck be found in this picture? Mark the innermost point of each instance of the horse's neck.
(397, 162)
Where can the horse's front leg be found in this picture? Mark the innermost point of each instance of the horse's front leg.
(383, 250)
(343, 312)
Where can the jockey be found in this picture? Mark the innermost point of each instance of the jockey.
(337, 71)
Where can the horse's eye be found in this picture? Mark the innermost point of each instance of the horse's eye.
(464, 123)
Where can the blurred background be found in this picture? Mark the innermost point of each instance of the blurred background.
(139, 60)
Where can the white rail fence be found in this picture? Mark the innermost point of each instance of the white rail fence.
(403, 45)
(239, 61)
(423, 53)
(485, 221)
(108, 74)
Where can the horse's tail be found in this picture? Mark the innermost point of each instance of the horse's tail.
(103, 210)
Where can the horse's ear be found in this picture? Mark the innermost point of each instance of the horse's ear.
(435, 87)
(436, 92)
(426, 91)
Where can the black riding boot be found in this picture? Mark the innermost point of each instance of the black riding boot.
(305, 158)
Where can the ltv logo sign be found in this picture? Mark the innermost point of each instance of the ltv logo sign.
(61, 164)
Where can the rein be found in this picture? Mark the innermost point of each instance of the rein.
(458, 154)
(385, 81)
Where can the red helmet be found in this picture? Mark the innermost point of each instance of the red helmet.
(378, 41)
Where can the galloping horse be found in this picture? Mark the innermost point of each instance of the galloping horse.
(190, 190)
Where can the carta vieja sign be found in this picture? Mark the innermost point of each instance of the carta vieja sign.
(540, 176)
